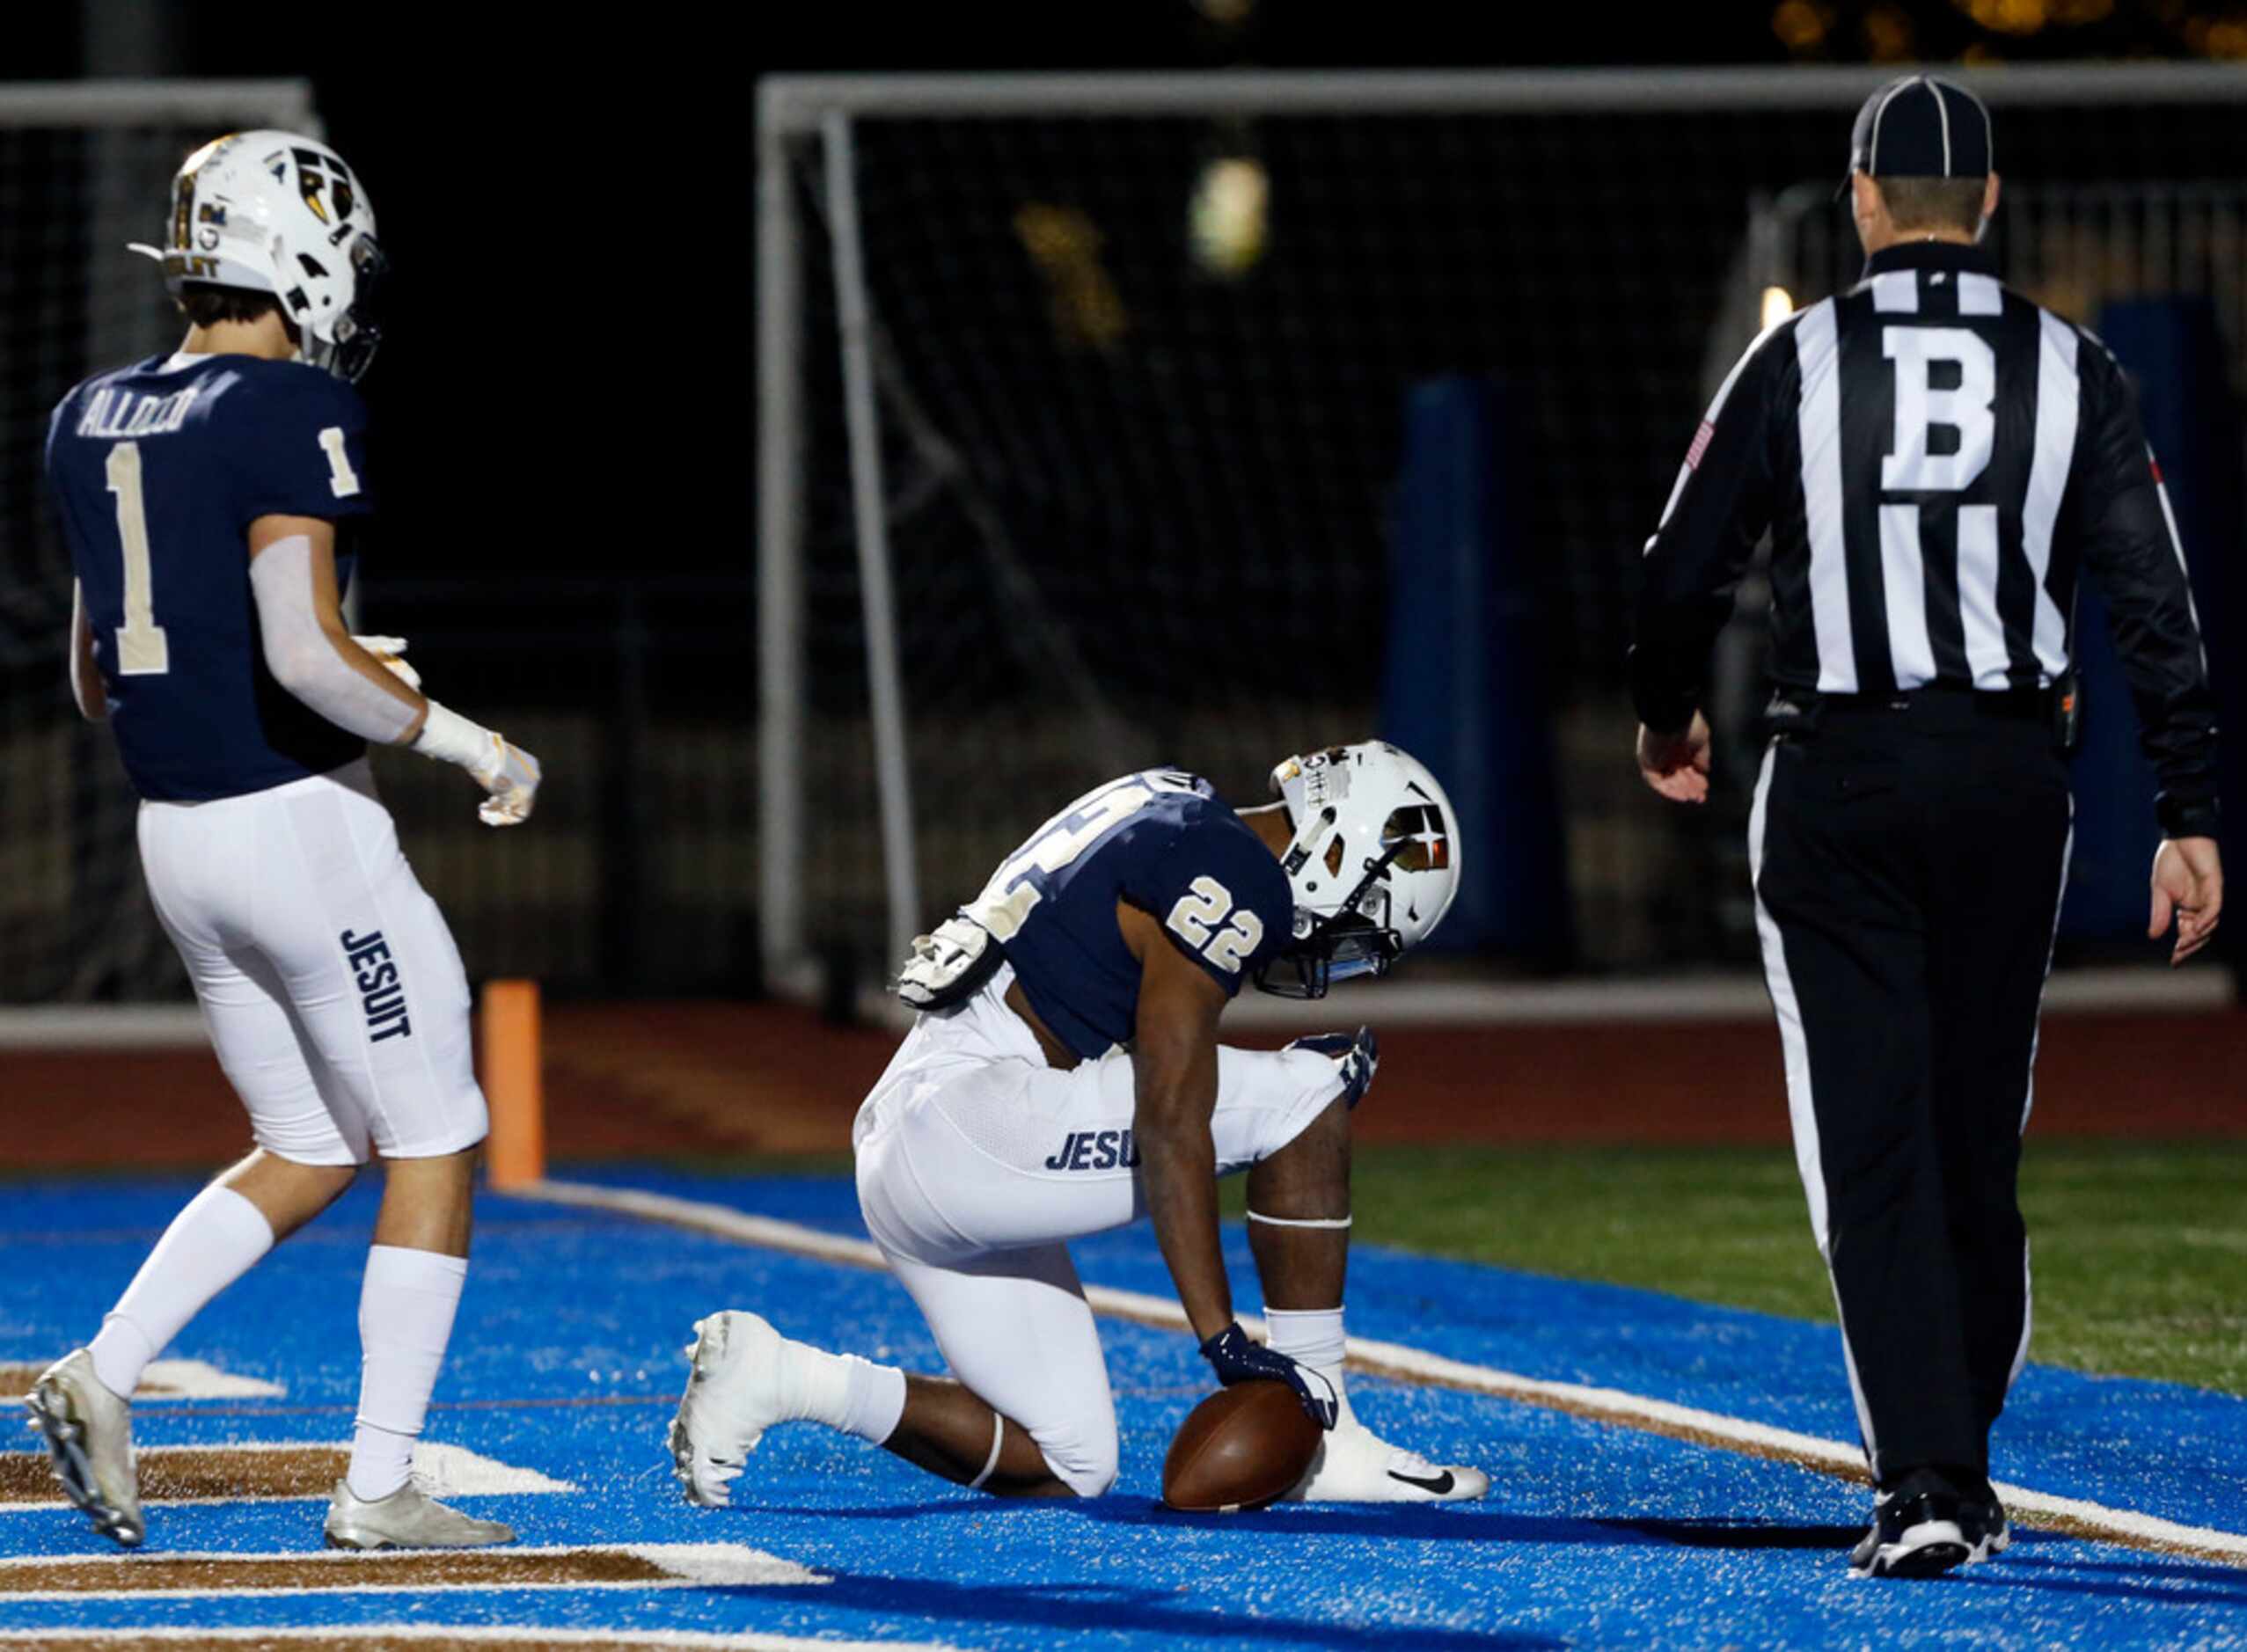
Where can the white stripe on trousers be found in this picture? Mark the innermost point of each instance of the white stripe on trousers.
(2029, 1098)
(1796, 1045)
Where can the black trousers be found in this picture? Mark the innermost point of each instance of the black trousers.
(1908, 862)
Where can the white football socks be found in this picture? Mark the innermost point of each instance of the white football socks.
(405, 1310)
(843, 1391)
(212, 1243)
(1313, 1337)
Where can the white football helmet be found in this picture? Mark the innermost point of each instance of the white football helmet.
(1373, 865)
(279, 213)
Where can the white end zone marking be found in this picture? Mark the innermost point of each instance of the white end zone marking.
(189, 1379)
(193, 1379)
(464, 1634)
(452, 1471)
(683, 1566)
(2068, 1515)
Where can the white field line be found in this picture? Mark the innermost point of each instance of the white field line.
(192, 1379)
(452, 1471)
(2069, 1515)
(463, 1634)
(684, 1566)
(1691, 998)
(103, 1027)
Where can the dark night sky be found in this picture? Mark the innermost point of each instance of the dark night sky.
(562, 205)
(568, 380)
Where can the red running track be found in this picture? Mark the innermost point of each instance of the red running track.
(640, 1080)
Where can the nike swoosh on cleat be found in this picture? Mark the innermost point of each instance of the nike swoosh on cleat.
(1438, 1485)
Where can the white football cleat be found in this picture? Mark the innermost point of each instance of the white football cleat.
(737, 1390)
(1355, 1465)
(408, 1518)
(89, 1434)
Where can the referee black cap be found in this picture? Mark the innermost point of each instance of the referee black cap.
(1920, 127)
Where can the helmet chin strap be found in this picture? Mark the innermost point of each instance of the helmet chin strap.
(1299, 852)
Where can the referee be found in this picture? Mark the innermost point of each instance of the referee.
(1936, 459)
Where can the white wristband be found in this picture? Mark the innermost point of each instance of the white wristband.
(448, 737)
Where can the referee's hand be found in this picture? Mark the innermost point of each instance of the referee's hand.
(2188, 884)
(1676, 766)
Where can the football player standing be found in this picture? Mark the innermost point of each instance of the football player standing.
(1065, 1077)
(208, 499)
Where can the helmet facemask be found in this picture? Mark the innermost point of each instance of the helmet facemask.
(1341, 945)
(354, 334)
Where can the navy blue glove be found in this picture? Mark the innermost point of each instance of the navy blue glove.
(1357, 1054)
(1238, 1360)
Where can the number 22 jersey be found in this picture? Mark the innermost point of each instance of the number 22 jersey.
(158, 470)
(1158, 840)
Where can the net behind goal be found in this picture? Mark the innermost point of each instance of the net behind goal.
(84, 169)
(1133, 354)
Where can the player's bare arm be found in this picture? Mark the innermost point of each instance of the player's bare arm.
(1174, 1064)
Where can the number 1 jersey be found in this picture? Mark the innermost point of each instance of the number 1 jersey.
(159, 470)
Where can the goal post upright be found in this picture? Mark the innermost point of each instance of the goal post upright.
(869, 508)
(782, 783)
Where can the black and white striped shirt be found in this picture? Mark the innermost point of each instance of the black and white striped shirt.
(1936, 458)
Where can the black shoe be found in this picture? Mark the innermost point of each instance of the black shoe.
(1983, 1524)
(1919, 1529)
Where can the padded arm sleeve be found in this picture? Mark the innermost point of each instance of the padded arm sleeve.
(301, 658)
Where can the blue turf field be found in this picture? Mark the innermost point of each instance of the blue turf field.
(567, 1363)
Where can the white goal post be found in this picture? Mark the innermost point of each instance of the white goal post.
(823, 315)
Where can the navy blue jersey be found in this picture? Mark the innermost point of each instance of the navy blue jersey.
(159, 470)
(1166, 842)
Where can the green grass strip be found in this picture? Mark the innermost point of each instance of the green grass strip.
(2139, 1249)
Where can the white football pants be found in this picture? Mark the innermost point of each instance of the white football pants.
(332, 988)
(977, 1162)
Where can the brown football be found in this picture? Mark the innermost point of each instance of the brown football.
(1239, 1449)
